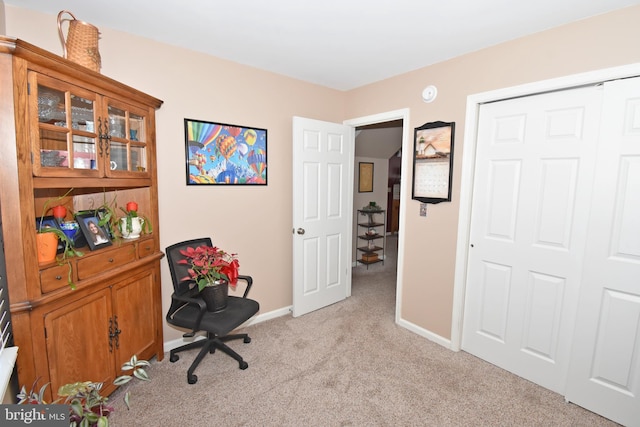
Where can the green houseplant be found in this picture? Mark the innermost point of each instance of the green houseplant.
(87, 406)
(47, 239)
(131, 225)
(124, 226)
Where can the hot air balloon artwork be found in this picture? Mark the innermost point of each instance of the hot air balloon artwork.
(225, 154)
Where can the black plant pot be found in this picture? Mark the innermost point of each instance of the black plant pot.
(215, 296)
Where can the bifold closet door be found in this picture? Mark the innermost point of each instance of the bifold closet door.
(532, 186)
(604, 374)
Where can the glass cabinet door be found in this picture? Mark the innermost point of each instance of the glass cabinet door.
(65, 141)
(128, 149)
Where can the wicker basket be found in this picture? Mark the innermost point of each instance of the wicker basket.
(81, 45)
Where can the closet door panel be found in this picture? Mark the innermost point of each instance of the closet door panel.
(605, 363)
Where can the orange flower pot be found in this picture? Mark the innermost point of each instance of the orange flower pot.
(47, 245)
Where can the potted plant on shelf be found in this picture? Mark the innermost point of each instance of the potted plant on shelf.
(87, 407)
(213, 270)
(131, 225)
(48, 236)
(369, 210)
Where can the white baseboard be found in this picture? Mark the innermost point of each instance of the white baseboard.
(170, 345)
(425, 333)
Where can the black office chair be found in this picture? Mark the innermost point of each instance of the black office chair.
(188, 310)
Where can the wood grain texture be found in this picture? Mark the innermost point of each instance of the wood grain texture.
(64, 334)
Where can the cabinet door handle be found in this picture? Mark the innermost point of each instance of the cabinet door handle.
(111, 335)
(117, 333)
(100, 145)
(103, 135)
(110, 259)
(100, 136)
(58, 277)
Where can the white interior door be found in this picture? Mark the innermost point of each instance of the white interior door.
(604, 373)
(532, 186)
(322, 211)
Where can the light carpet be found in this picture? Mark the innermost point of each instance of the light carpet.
(348, 364)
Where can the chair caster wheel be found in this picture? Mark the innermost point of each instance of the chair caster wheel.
(174, 358)
(192, 379)
(247, 340)
(244, 365)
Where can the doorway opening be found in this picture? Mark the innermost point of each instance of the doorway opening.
(378, 145)
(382, 138)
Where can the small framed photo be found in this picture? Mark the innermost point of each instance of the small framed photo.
(49, 222)
(97, 236)
(101, 214)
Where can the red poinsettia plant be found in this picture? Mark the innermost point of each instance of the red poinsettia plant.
(210, 264)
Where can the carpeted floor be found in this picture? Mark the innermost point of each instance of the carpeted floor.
(348, 364)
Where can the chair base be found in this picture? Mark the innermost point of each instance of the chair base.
(209, 345)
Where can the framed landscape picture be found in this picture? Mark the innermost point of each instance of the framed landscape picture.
(433, 162)
(224, 154)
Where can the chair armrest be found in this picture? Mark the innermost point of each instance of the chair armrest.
(249, 282)
(186, 299)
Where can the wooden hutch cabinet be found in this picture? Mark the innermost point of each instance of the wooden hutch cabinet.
(64, 127)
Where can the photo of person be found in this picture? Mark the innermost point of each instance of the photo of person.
(95, 234)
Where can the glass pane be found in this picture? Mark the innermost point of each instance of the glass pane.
(84, 152)
(138, 159)
(81, 113)
(50, 105)
(53, 149)
(137, 131)
(118, 158)
(117, 122)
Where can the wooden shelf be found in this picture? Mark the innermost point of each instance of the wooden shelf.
(371, 248)
(117, 286)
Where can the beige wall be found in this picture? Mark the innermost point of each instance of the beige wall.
(428, 269)
(2, 19)
(256, 221)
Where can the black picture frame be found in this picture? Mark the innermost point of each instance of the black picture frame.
(95, 240)
(101, 214)
(50, 222)
(224, 154)
(433, 162)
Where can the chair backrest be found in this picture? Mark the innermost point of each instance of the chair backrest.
(179, 271)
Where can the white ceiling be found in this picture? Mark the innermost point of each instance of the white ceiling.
(341, 44)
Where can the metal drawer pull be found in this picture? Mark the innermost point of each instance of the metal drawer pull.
(58, 277)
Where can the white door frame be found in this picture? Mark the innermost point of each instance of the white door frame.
(402, 114)
(469, 160)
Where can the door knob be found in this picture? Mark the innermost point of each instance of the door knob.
(300, 231)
